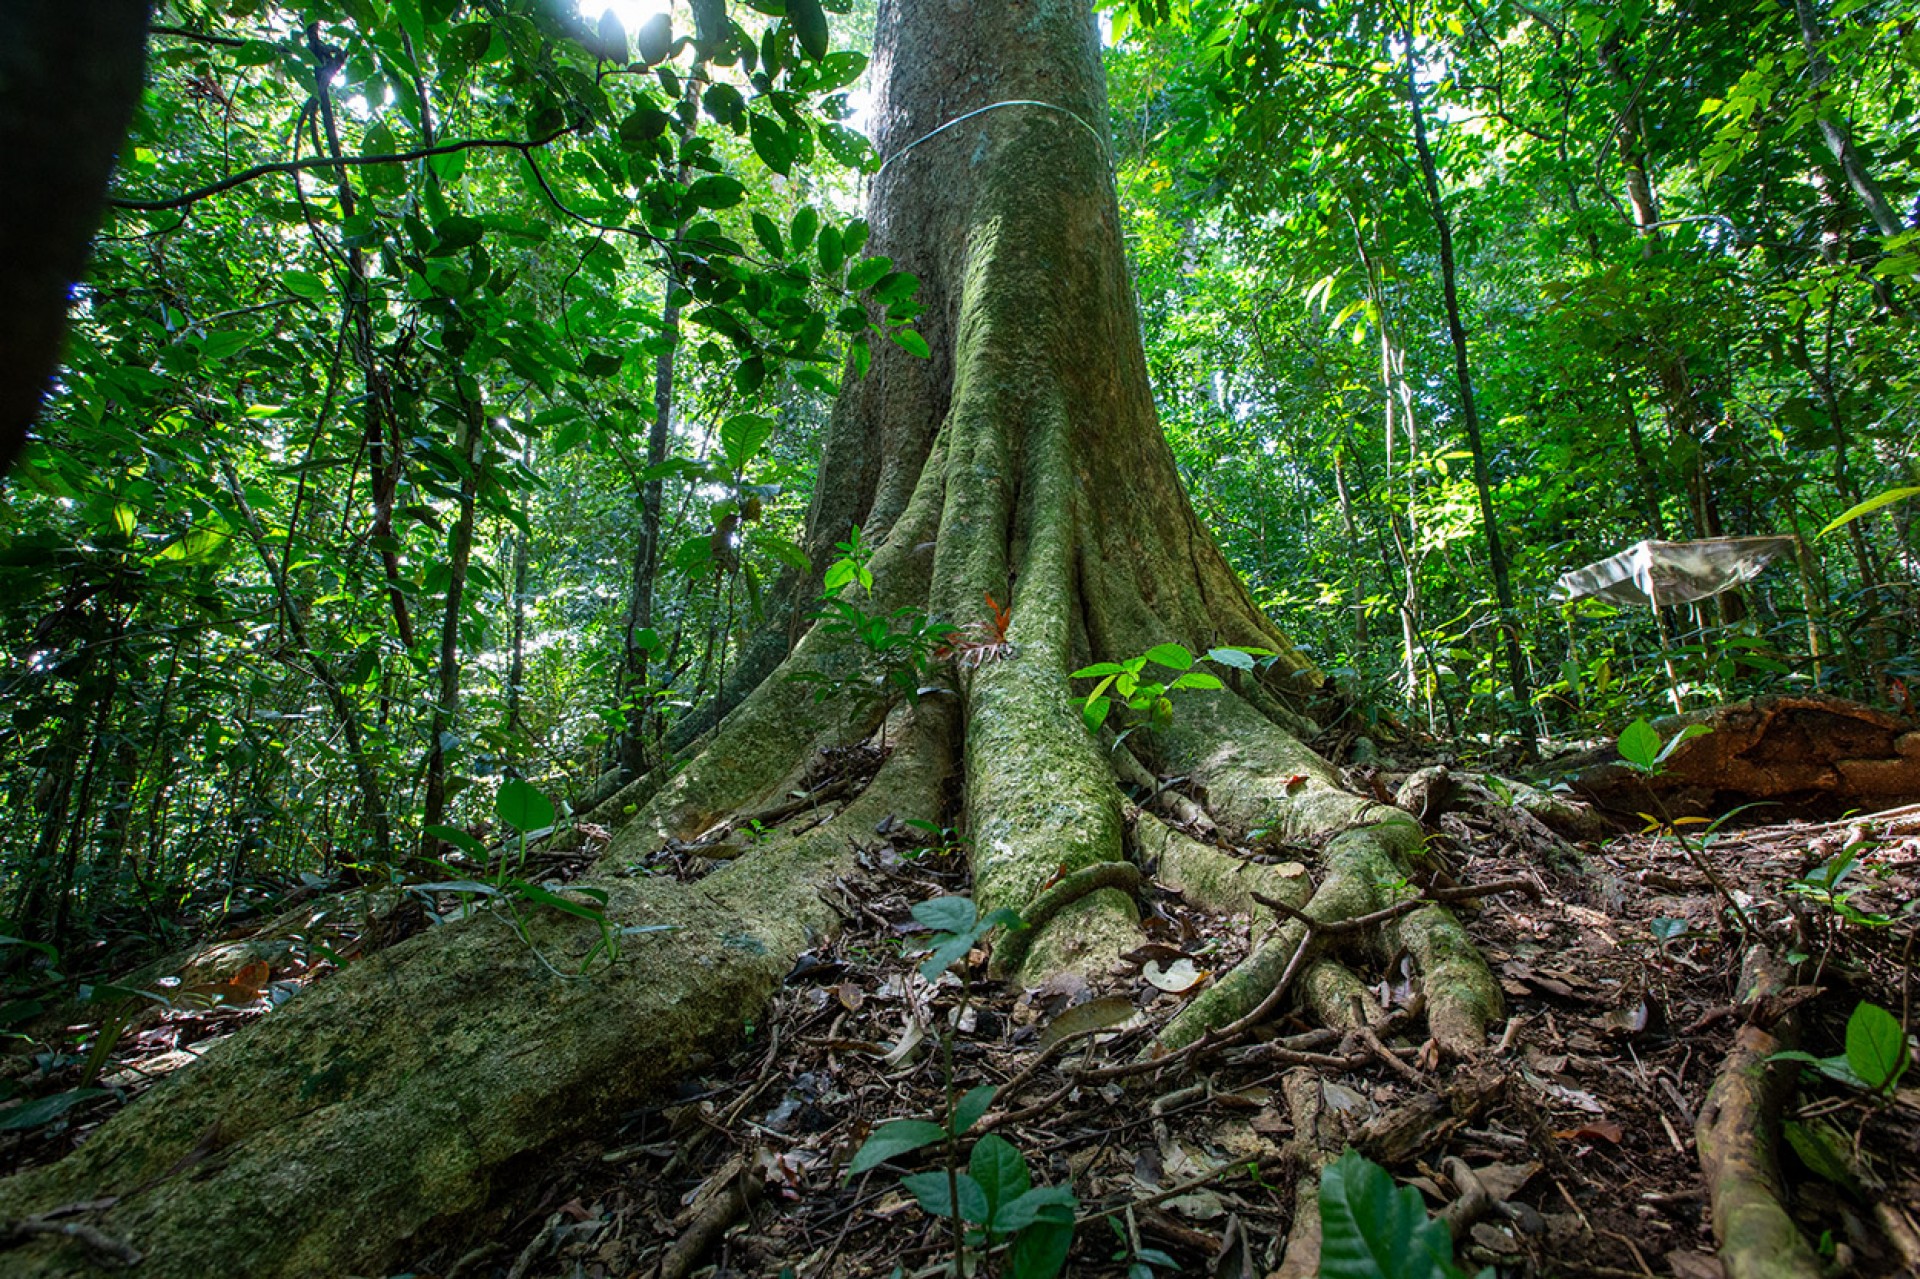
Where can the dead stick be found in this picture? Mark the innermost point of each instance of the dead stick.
(1735, 1136)
(1433, 896)
(105, 1246)
(723, 1207)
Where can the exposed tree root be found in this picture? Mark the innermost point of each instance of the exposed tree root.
(729, 1195)
(1360, 871)
(397, 1090)
(1316, 1141)
(1158, 793)
(1737, 1133)
(1207, 877)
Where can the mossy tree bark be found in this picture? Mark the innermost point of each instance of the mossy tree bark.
(1023, 461)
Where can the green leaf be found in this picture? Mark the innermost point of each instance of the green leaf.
(769, 235)
(611, 38)
(1172, 656)
(641, 126)
(1876, 1049)
(809, 23)
(950, 950)
(522, 806)
(1680, 738)
(947, 914)
(724, 103)
(1639, 745)
(1094, 713)
(854, 237)
(771, 143)
(896, 286)
(1197, 679)
(554, 901)
(998, 917)
(806, 224)
(1238, 659)
(850, 149)
(936, 1196)
(303, 284)
(831, 254)
(1823, 1149)
(1052, 1204)
(784, 549)
(221, 343)
(838, 70)
(1370, 1228)
(742, 436)
(459, 839)
(41, 947)
(1871, 505)
(600, 364)
(867, 272)
(1000, 1169)
(716, 191)
(967, 1111)
(1040, 1250)
(33, 1114)
(893, 1138)
(1098, 668)
(912, 343)
(655, 39)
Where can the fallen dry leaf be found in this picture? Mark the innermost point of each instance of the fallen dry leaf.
(1176, 978)
(1598, 1129)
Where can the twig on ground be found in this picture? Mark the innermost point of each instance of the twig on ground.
(102, 1245)
(1339, 927)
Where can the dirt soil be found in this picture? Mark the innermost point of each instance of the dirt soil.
(1619, 979)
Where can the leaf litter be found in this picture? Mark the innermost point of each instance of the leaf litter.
(1619, 982)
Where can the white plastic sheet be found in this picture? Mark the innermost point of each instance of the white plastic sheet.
(1673, 572)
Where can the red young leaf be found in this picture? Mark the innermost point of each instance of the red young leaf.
(1002, 616)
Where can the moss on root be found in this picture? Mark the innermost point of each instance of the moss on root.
(1215, 880)
(1258, 776)
(394, 1091)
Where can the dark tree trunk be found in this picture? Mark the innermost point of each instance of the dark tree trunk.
(631, 748)
(1836, 132)
(382, 432)
(69, 78)
(446, 706)
(1469, 410)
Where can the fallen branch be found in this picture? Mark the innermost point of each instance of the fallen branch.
(738, 1189)
(1736, 1135)
(100, 1244)
(1339, 927)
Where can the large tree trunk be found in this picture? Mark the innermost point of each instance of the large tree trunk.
(1022, 461)
(69, 80)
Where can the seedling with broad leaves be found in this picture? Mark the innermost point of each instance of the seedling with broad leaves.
(529, 814)
(1876, 1055)
(1129, 685)
(1369, 1227)
(993, 1201)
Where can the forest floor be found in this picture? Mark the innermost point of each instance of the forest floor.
(1579, 1120)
